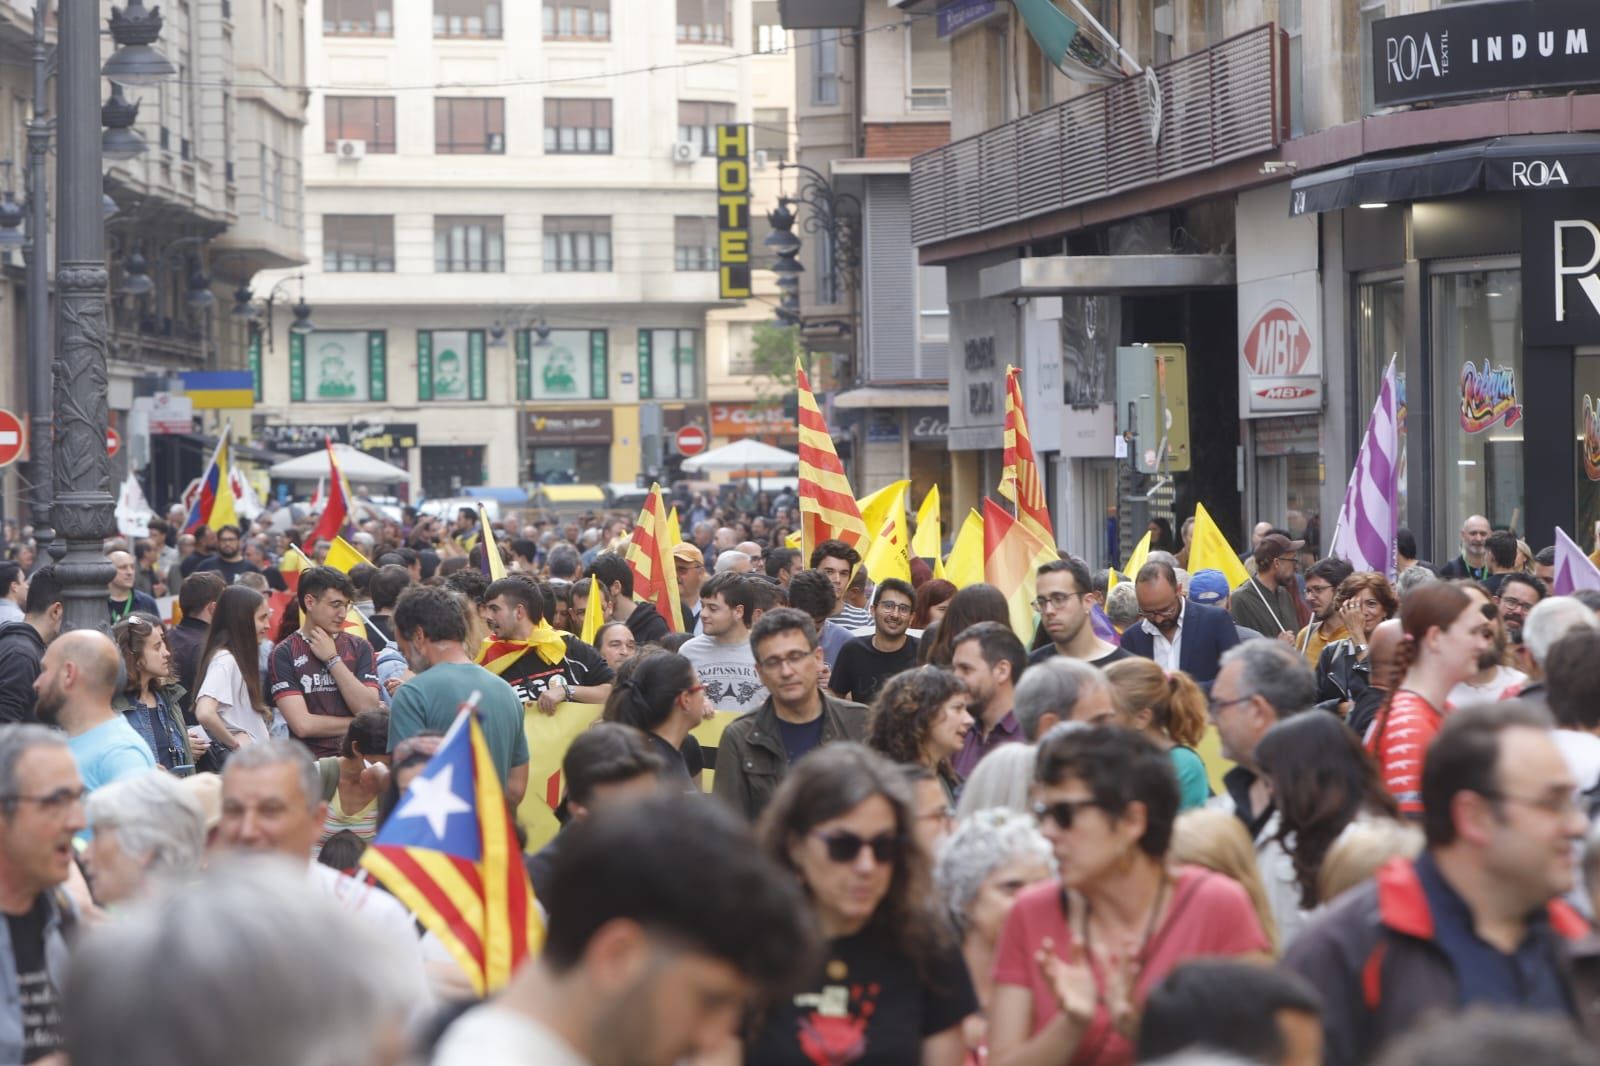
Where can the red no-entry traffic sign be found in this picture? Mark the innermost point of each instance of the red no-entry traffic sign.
(12, 438)
(691, 440)
(113, 441)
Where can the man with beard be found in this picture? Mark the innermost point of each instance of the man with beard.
(865, 663)
(1326, 625)
(543, 666)
(1064, 603)
(1519, 594)
(229, 560)
(989, 660)
(1473, 562)
(1494, 678)
(122, 598)
(76, 681)
(41, 813)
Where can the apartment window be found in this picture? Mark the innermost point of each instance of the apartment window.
(771, 133)
(586, 20)
(280, 52)
(694, 243)
(1371, 11)
(360, 118)
(933, 311)
(1163, 28)
(741, 347)
(825, 69)
(357, 244)
(469, 126)
(577, 244)
(358, 18)
(466, 18)
(469, 244)
(1292, 22)
(770, 36)
(705, 21)
(698, 121)
(667, 363)
(577, 127)
(928, 59)
(272, 185)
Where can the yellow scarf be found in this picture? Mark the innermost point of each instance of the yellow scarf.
(498, 654)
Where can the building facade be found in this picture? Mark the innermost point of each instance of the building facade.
(511, 227)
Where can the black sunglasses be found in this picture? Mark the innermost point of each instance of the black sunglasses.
(844, 846)
(1062, 812)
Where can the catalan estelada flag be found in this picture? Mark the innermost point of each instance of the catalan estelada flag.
(449, 852)
(655, 576)
(217, 389)
(1019, 477)
(336, 508)
(828, 509)
(489, 557)
(213, 507)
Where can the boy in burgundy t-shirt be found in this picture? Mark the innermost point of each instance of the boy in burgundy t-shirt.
(320, 677)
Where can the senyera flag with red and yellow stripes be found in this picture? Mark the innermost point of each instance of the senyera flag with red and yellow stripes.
(1019, 477)
(828, 509)
(450, 854)
(655, 575)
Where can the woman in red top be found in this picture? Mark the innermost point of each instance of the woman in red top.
(1078, 954)
(1443, 635)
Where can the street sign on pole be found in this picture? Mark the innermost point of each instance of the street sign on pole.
(12, 438)
(113, 442)
(691, 440)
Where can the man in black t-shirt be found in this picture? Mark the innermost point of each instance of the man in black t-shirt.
(42, 812)
(514, 610)
(229, 560)
(865, 663)
(1065, 600)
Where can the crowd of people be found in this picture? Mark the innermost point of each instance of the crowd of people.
(1292, 820)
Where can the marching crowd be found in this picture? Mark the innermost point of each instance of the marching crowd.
(929, 839)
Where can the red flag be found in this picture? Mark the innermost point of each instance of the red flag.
(337, 508)
(828, 509)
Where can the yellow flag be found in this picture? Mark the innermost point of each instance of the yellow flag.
(964, 565)
(925, 542)
(1141, 552)
(1111, 578)
(793, 541)
(674, 534)
(1210, 550)
(593, 613)
(493, 563)
(875, 506)
(889, 553)
(342, 555)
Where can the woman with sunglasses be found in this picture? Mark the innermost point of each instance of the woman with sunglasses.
(1078, 954)
(892, 987)
(152, 699)
(659, 694)
(1443, 634)
(920, 719)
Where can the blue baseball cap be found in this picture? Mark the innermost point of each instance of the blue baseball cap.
(1209, 587)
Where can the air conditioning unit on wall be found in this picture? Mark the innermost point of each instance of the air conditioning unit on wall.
(685, 152)
(350, 149)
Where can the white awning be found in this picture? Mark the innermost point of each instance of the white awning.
(1056, 274)
(887, 396)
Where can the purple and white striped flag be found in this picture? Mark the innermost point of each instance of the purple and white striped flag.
(1364, 534)
(1573, 568)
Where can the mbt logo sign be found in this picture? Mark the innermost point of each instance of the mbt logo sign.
(1537, 174)
(1577, 242)
(1278, 344)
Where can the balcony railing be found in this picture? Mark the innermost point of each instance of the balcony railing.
(1218, 105)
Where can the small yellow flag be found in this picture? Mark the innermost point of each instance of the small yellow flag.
(342, 555)
(1210, 550)
(1141, 552)
(593, 613)
(964, 565)
(925, 542)
(888, 554)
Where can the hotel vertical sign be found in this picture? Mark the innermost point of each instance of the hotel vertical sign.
(733, 211)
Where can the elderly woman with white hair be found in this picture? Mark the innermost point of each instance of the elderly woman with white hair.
(992, 856)
(147, 829)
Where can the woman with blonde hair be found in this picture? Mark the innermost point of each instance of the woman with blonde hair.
(1218, 841)
(1169, 708)
(1360, 850)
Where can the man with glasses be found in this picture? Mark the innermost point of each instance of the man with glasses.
(691, 567)
(1326, 625)
(41, 809)
(1476, 919)
(1265, 602)
(798, 717)
(865, 663)
(1519, 594)
(1178, 634)
(1065, 598)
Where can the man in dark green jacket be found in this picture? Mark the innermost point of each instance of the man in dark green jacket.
(798, 717)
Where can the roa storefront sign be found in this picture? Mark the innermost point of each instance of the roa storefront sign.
(1482, 49)
(1561, 268)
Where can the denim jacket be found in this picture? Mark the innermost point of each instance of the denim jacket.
(57, 927)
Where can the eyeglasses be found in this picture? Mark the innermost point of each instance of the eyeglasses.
(1062, 812)
(692, 689)
(774, 663)
(1508, 603)
(1171, 610)
(1058, 600)
(1217, 705)
(1318, 590)
(1555, 802)
(844, 846)
(54, 804)
(895, 608)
